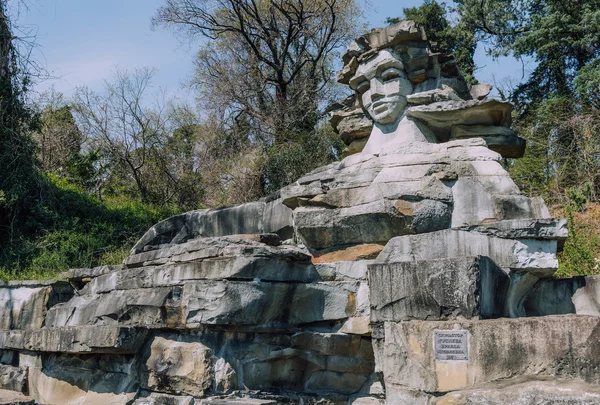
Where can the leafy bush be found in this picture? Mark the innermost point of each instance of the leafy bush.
(76, 229)
(581, 253)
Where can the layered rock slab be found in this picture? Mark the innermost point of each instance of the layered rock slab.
(534, 392)
(557, 346)
(468, 287)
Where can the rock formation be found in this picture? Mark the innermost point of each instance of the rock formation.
(414, 271)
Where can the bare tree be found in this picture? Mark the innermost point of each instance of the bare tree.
(265, 59)
(59, 139)
(119, 123)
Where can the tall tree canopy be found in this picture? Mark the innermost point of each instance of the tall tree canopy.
(265, 70)
(446, 38)
(19, 180)
(265, 61)
(557, 104)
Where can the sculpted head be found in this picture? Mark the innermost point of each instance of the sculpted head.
(382, 85)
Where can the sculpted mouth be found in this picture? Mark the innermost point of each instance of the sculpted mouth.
(380, 107)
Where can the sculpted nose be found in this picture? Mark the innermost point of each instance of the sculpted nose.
(376, 89)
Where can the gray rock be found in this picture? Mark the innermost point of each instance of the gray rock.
(13, 378)
(577, 295)
(93, 380)
(498, 138)
(480, 91)
(26, 302)
(321, 228)
(221, 268)
(251, 218)
(266, 304)
(519, 206)
(375, 222)
(206, 248)
(8, 397)
(441, 116)
(523, 229)
(81, 275)
(526, 393)
(536, 256)
(149, 307)
(467, 287)
(154, 398)
(238, 401)
(558, 347)
(178, 367)
(81, 339)
(446, 93)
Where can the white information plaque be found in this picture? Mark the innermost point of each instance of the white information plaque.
(451, 345)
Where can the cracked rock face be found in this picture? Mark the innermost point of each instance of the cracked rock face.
(414, 266)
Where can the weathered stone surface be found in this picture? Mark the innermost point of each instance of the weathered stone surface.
(518, 206)
(466, 287)
(205, 248)
(441, 116)
(149, 307)
(480, 91)
(534, 392)
(446, 93)
(251, 218)
(8, 397)
(26, 302)
(220, 268)
(357, 326)
(82, 339)
(577, 295)
(238, 401)
(13, 378)
(558, 346)
(354, 125)
(536, 256)
(498, 138)
(356, 146)
(83, 274)
(93, 380)
(153, 398)
(522, 229)
(343, 271)
(267, 304)
(360, 252)
(178, 367)
(375, 222)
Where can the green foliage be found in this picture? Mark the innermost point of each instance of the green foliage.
(76, 230)
(561, 36)
(285, 163)
(447, 39)
(581, 254)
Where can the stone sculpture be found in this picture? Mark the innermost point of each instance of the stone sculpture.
(412, 272)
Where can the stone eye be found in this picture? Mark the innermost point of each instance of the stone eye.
(390, 74)
(362, 87)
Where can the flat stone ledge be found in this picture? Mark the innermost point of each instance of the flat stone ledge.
(74, 340)
(552, 228)
(14, 398)
(555, 392)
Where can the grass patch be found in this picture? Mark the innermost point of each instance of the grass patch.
(77, 230)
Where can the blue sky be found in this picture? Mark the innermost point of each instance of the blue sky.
(82, 41)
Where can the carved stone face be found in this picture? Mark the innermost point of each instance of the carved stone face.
(382, 86)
